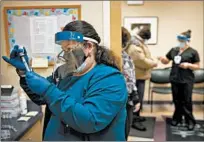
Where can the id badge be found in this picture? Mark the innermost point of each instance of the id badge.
(177, 59)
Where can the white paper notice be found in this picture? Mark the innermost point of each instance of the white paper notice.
(23, 119)
(22, 31)
(62, 20)
(39, 62)
(43, 31)
(32, 113)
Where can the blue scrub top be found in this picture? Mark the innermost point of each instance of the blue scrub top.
(93, 108)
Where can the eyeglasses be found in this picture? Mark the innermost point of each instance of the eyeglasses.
(71, 45)
(61, 56)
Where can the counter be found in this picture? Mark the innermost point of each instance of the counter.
(30, 130)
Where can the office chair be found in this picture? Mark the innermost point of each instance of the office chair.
(199, 78)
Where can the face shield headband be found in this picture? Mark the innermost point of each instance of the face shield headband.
(72, 36)
(183, 38)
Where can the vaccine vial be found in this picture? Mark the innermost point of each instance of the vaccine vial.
(23, 103)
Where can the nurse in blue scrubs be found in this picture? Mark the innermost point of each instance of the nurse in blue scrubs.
(86, 95)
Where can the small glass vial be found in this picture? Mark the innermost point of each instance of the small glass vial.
(23, 103)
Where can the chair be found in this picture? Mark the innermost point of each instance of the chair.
(199, 78)
(159, 76)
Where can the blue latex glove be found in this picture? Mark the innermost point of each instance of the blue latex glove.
(37, 83)
(15, 59)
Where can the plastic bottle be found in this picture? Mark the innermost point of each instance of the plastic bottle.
(23, 103)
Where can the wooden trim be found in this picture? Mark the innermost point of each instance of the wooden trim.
(106, 24)
(34, 133)
(6, 31)
(43, 7)
(5, 18)
(115, 29)
(79, 11)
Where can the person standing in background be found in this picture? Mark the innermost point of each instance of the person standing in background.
(144, 63)
(128, 70)
(185, 60)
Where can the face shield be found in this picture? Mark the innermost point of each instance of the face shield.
(72, 57)
(183, 41)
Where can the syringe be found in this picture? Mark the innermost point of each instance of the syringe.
(23, 59)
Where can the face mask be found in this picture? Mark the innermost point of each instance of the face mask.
(72, 61)
(69, 62)
(181, 44)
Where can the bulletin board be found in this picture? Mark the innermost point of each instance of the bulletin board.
(34, 27)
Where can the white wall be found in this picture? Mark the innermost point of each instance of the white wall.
(174, 17)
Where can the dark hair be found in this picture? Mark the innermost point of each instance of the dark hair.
(145, 33)
(102, 54)
(187, 33)
(125, 37)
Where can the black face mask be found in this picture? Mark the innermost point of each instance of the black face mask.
(79, 56)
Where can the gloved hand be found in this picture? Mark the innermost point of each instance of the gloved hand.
(15, 59)
(37, 83)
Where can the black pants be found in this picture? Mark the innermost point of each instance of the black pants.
(129, 119)
(182, 98)
(140, 84)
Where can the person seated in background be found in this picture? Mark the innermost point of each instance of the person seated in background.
(90, 103)
(185, 60)
(128, 70)
(144, 63)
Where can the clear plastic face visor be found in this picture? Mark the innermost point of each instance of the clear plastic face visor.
(72, 56)
(65, 62)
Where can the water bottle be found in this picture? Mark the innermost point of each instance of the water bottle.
(23, 103)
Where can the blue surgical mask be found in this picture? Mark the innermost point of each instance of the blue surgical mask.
(181, 44)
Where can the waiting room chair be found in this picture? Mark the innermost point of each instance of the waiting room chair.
(159, 76)
(199, 78)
